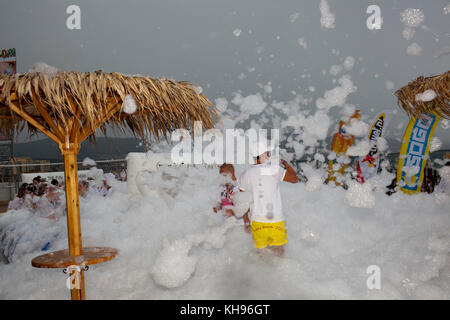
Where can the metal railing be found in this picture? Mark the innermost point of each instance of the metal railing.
(11, 174)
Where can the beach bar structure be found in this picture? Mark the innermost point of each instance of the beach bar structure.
(69, 107)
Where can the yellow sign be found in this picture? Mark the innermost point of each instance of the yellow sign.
(415, 147)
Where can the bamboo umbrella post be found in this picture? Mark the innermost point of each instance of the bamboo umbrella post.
(72, 201)
(70, 152)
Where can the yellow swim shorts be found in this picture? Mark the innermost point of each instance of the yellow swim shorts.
(268, 234)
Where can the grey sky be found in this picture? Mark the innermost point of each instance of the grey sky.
(193, 40)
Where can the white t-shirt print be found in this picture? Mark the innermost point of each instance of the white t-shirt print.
(264, 181)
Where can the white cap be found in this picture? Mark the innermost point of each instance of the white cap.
(260, 147)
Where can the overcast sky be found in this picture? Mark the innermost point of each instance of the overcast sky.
(195, 40)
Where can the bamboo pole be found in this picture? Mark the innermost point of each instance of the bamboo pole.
(77, 292)
(70, 152)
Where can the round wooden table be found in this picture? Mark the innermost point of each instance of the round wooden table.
(75, 265)
(62, 258)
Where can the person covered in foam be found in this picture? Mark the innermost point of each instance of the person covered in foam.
(264, 219)
(227, 190)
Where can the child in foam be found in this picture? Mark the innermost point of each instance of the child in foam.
(266, 216)
(227, 190)
(105, 189)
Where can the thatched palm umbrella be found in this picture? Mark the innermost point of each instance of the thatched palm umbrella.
(69, 107)
(440, 84)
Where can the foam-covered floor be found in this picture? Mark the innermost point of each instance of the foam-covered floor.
(173, 246)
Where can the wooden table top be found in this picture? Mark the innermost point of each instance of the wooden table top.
(62, 258)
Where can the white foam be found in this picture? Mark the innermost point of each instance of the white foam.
(327, 18)
(414, 49)
(427, 95)
(412, 17)
(129, 104)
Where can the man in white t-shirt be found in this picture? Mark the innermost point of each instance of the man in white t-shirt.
(266, 214)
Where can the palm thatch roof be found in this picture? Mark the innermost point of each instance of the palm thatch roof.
(440, 84)
(75, 104)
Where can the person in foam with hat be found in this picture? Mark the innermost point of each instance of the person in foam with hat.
(265, 219)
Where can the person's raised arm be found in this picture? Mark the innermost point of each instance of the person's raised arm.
(291, 175)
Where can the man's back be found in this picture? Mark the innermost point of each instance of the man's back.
(263, 180)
